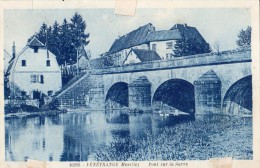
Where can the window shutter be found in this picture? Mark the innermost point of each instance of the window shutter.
(33, 78)
(42, 79)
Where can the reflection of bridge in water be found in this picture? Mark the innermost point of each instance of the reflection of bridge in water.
(199, 84)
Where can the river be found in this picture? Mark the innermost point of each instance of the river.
(75, 136)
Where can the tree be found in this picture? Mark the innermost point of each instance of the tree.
(66, 48)
(190, 46)
(41, 35)
(64, 40)
(54, 39)
(79, 37)
(244, 37)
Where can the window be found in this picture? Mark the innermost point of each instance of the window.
(169, 56)
(50, 92)
(37, 79)
(33, 78)
(35, 49)
(154, 47)
(23, 62)
(23, 93)
(169, 45)
(41, 79)
(48, 63)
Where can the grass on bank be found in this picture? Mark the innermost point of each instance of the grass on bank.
(217, 136)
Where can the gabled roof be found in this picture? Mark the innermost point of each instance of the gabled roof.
(146, 55)
(164, 35)
(131, 39)
(35, 43)
(83, 53)
(188, 32)
(147, 33)
(8, 71)
(13, 60)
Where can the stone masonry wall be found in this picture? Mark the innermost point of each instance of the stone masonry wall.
(81, 94)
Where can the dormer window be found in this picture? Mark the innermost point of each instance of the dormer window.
(48, 63)
(35, 49)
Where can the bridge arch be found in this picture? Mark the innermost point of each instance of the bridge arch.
(175, 94)
(117, 96)
(238, 98)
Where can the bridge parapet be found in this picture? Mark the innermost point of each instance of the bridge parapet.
(224, 57)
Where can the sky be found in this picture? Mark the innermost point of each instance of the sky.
(214, 24)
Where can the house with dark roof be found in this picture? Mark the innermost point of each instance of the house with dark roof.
(147, 38)
(163, 42)
(141, 55)
(135, 39)
(34, 71)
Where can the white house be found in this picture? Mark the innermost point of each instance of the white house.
(163, 42)
(34, 71)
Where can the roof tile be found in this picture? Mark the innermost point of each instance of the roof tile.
(146, 55)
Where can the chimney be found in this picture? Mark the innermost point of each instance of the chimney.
(13, 50)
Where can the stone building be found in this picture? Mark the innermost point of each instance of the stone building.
(147, 38)
(135, 39)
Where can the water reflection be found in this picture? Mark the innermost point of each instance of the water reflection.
(75, 136)
(33, 138)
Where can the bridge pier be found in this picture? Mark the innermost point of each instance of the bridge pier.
(140, 94)
(208, 94)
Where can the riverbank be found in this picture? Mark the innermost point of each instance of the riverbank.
(198, 140)
(27, 110)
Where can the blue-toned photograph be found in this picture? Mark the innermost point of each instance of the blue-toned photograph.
(164, 84)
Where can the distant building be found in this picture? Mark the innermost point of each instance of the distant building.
(7, 59)
(136, 39)
(82, 64)
(33, 72)
(83, 61)
(163, 42)
(146, 38)
(140, 55)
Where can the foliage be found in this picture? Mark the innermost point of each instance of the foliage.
(9, 108)
(244, 37)
(190, 46)
(64, 40)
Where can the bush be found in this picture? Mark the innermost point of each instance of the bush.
(9, 108)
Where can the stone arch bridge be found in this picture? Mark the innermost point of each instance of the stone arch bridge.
(198, 84)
